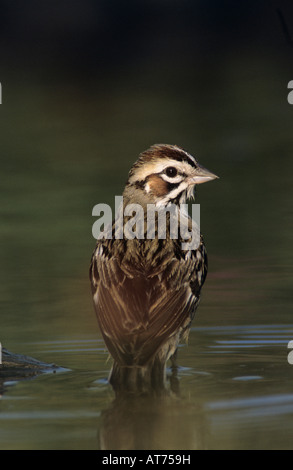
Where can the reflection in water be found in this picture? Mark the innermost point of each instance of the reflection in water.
(235, 391)
(159, 419)
(229, 398)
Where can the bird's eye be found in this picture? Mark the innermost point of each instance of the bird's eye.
(171, 171)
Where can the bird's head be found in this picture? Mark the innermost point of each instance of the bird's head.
(164, 174)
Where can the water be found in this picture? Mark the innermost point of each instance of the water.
(234, 391)
(68, 145)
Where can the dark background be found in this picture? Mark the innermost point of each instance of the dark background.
(104, 37)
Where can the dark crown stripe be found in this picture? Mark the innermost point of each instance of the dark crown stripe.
(168, 152)
(162, 151)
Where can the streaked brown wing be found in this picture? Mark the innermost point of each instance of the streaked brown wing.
(138, 314)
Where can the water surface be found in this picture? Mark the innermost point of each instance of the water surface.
(234, 391)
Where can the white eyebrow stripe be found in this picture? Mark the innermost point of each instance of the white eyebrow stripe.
(158, 167)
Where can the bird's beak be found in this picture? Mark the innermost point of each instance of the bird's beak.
(201, 175)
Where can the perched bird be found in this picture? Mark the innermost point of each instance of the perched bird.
(146, 291)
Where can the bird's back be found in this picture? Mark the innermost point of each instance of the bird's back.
(145, 296)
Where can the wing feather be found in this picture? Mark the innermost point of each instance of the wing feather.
(138, 314)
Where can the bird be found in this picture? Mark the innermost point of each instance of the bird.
(146, 290)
